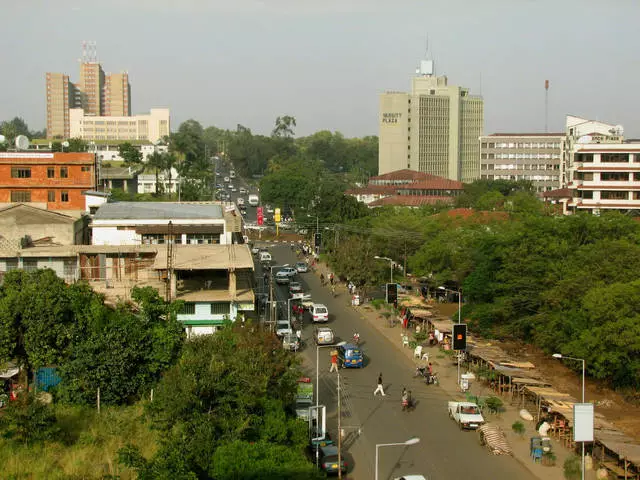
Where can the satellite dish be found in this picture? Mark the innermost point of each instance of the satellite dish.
(2, 138)
(584, 139)
(22, 142)
(65, 144)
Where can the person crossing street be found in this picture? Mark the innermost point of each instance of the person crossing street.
(379, 388)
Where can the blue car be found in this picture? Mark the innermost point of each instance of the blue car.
(350, 355)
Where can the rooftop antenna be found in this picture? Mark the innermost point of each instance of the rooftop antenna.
(546, 106)
(426, 66)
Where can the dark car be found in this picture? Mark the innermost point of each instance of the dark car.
(329, 460)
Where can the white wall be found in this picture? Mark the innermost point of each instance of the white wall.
(113, 236)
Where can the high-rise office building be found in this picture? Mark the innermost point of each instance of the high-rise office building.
(117, 93)
(96, 93)
(60, 97)
(434, 129)
(91, 86)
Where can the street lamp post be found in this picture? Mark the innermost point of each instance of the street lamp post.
(459, 319)
(560, 356)
(317, 391)
(271, 316)
(411, 441)
(390, 265)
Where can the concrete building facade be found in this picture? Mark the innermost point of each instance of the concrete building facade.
(433, 129)
(54, 181)
(117, 95)
(536, 157)
(91, 86)
(151, 127)
(61, 94)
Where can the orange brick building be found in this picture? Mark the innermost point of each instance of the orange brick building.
(54, 181)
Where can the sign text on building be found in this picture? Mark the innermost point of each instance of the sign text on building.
(389, 117)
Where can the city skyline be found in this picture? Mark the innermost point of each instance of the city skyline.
(247, 62)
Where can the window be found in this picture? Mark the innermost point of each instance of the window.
(613, 195)
(614, 158)
(21, 196)
(64, 172)
(64, 196)
(153, 238)
(51, 196)
(20, 172)
(202, 238)
(220, 308)
(86, 168)
(51, 172)
(584, 157)
(614, 177)
(189, 309)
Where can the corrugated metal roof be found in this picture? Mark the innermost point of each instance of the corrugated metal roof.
(157, 211)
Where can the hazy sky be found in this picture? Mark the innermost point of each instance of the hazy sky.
(326, 61)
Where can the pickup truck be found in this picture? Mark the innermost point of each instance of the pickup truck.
(466, 414)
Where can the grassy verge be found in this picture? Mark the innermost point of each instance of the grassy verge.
(86, 447)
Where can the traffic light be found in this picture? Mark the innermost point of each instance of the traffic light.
(318, 240)
(459, 336)
(392, 292)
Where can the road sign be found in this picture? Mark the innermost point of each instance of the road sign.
(392, 292)
(260, 215)
(276, 216)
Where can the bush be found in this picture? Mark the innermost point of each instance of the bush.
(420, 337)
(377, 303)
(518, 427)
(572, 466)
(494, 404)
(28, 420)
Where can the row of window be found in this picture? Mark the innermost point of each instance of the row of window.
(608, 157)
(192, 238)
(24, 196)
(521, 145)
(218, 308)
(609, 176)
(524, 156)
(533, 178)
(25, 172)
(523, 166)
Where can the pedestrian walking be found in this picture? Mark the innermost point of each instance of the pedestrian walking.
(322, 279)
(334, 362)
(331, 278)
(379, 388)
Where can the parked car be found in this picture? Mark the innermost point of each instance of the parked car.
(283, 327)
(319, 313)
(329, 460)
(282, 278)
(289, 271)
(295, 287)
(466, 414)
(324, 336)
(302, 267)
(290, 342)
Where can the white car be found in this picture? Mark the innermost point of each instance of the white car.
(289, 271)
(243, 190)
(319, 313)
(240, 201)
(324, 336)
(255, 250)
(227, 179)
(411, 477)
(282, 278)
(283, 327)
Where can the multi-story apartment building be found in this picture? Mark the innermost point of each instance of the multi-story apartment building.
(152, 127)
(434, 129)
(54, 181)
(536, 157)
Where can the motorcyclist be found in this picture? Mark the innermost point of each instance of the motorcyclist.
(405, 399)
(356, 338)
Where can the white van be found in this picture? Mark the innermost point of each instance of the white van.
(232, 174)
(254, 200)
(265, 257)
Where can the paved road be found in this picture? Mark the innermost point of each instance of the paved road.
(443, 453)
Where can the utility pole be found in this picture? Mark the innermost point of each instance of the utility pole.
(339, 429)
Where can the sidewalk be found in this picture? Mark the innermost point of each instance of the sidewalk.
(447, 374)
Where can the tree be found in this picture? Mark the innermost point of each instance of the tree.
(12, 128)
(77, 145)
(131, 155)
(284, 127)
(158, 162)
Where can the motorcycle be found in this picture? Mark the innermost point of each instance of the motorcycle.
(432, 379)
(356, 338)
(407, 402)
(421, 372)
